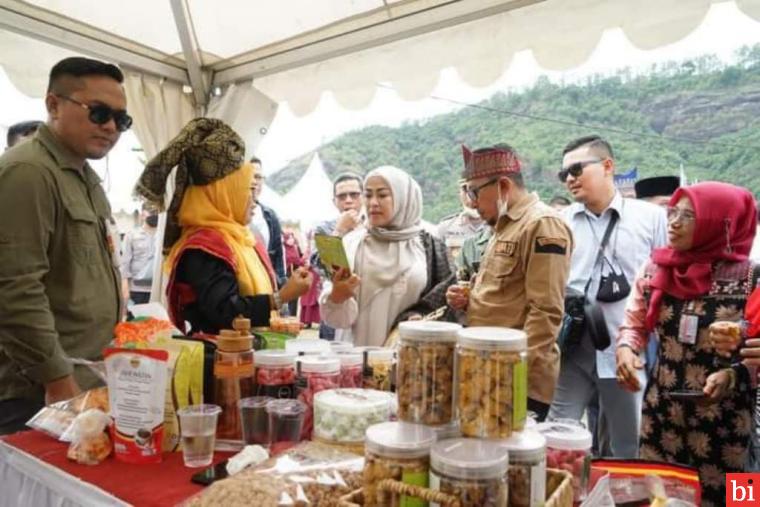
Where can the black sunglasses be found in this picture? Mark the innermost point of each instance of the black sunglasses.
(576, 169)
(102, 114)
(472, 192)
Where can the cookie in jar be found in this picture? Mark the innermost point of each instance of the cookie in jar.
(527, 469)
(426, 372)
(398, 451)
(491, 381)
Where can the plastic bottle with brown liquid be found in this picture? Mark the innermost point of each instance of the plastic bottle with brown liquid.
(233, 376)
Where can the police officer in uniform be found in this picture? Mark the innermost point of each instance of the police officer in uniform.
(524, 269)
(455, 229)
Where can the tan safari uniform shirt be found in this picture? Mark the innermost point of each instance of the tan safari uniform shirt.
(59, 281)
(521, 285)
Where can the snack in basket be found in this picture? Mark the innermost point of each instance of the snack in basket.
(473, 471)
(491, 382)
(398, 451)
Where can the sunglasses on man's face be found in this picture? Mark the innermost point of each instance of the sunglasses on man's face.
(345, 195)
(575, 170)
(101, 114)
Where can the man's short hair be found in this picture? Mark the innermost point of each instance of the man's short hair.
(256, 160)
(595, 142)
(22, 129)
(560, 200)
(347, 176)
(64, 74)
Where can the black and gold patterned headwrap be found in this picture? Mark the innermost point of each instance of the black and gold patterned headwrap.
(204, 151)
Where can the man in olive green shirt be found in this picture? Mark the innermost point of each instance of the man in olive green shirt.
(59, 283)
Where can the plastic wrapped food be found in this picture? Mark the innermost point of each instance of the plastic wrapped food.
(343, 415)
(275, 373)
(316, 374)
(378, 367)
(473, 471)
(568, 447)
(426, 372)
(57, 418)
(492, 378)
(141, 331)
(90, 444)
(351, 369)
(527, 469)
(288, 325)
(309, 474)
(399, 451)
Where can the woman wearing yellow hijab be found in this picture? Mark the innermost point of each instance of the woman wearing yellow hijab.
(218, 270)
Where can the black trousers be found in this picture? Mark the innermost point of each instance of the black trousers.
(139, 298)
(15, 412)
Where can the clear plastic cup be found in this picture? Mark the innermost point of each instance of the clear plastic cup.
(255, 420)
(285, 422)
(198, 433)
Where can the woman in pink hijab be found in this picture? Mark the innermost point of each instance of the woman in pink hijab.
(697, 408)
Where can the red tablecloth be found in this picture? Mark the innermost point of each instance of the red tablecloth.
(167, 483)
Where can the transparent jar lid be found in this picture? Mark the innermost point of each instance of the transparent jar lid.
(470, 458)
(307, 346)
(376, 353)
(319, 364)
(528, 445)
(566, 436)
(341, 346)
(274, 358)
(493, 338)
(447, 431)
(353, 401)
(350, 358)
(399, 440)
(429, 331)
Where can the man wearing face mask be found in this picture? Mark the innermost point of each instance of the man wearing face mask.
(522, 275)
(455, 229)
(137, 257)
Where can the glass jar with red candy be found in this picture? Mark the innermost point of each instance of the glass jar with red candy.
(275, 373)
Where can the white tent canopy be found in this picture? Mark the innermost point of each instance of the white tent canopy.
(294, 50)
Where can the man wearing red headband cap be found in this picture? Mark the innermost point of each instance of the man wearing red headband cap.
(523, 272)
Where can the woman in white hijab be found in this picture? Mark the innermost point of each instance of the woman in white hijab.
(395, 264)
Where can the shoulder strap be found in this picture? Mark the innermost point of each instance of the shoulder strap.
(602, 246)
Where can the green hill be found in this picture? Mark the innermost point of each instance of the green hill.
(699, 113)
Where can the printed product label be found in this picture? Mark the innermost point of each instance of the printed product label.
(415, 479)
(520, 394)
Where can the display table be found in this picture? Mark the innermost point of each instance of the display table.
(35, 472)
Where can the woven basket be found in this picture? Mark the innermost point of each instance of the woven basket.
(559, 489)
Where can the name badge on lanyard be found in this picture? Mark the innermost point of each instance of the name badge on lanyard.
(687, 329)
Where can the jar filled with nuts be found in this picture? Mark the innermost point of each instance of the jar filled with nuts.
(426, 372)
(491, 381)
(378, 367)
(527, 469)
(474, 471)
(398, 451)
(568, 447)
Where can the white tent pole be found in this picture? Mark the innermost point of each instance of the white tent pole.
(40, 24)
(198, 78)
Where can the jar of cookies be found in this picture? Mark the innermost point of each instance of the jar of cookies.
(473, 471)
(342, 416)
(426, 372)
(527, 469)
(399, 451)
(378, 367)
(491, 382)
